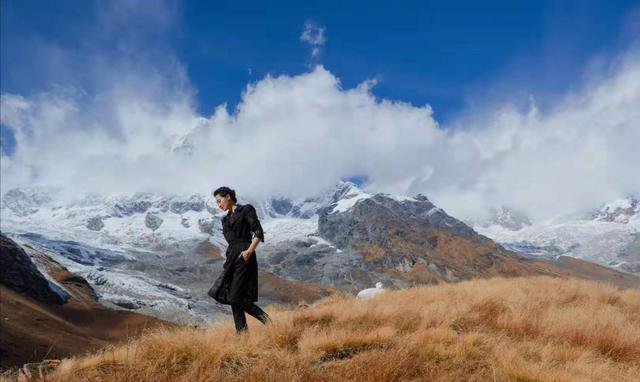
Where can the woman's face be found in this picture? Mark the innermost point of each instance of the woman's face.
(224, 202)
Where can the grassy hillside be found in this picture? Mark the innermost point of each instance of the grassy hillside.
(504, 329)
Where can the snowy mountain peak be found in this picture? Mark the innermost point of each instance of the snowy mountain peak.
(619, 211)
(608, 235)
(347, 194)
(421, 197)
(345, 190)
(509, 218)
(308, 206)
(502, 218)
(26, 201)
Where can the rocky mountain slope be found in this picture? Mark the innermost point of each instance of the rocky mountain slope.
(49, 312)
(159, 254)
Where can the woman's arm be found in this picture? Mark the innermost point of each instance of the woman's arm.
(254, 244)
(255, 227)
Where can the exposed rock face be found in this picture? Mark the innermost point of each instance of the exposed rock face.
(152, 221)
(144, 202)
(319, 264)
(194, 203)
(371, 220)
(95, 223)
(409, 241)
(207, 226)
(281, 206)
(127, 304)
(135, 204)
(620, 211)
(20, 274)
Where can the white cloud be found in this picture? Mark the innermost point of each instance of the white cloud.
(295, 135)
(313, 34)
(573, 157)
(291, 135)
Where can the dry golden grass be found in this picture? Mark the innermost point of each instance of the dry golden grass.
(500, 329)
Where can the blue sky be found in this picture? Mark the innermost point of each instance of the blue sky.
(464, 59)
(442, 53)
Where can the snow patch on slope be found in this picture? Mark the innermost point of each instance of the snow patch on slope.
(348, 200)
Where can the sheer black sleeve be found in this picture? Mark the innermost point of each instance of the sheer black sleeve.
(254, 222)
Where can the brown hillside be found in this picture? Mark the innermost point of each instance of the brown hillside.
(33, 330)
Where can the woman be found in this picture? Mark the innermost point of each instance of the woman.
(237, 285)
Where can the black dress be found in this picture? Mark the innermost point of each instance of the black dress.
(238, 282)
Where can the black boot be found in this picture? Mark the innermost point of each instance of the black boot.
(265, 319)
(256, 312)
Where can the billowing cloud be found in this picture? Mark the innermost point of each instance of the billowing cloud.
(570, 158)
(295, 135)
(137, 129)
(290, 135)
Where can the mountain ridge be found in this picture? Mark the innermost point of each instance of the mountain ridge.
(341, 239)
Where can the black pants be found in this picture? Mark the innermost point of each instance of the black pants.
(248, 306)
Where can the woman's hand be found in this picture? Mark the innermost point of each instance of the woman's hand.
(252, 247)
(245, 254)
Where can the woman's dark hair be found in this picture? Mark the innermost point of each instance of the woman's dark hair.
(224, 191)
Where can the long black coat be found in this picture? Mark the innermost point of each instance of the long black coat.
(238, 281)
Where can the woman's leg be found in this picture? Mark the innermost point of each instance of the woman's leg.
(254, 310)
(238, 317)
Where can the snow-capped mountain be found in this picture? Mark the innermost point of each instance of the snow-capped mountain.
(626, 210)
(161, 224)
(609, 235)
(158, 254)
(150, 252)
(140, 221)
(506, 217)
